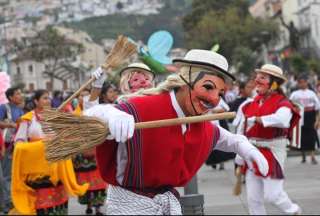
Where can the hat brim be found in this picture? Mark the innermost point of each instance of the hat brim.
(211, 67)
(129, 69)
(272, 74)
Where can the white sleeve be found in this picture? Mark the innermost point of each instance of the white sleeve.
(22, 132)
(238, 122)
(316, 101)
(229, 142)
(88, 104)
(222, 104)
(280, 119)
(292, 96)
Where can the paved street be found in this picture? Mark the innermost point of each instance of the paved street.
(302, 184)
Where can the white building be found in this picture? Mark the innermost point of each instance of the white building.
(309, 26)
(32, 75)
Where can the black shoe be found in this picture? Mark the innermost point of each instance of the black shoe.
(89, 211)
(303, 161)
(214, 166)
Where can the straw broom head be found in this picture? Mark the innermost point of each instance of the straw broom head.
(67, 134)
(122, 49)
(238, 185)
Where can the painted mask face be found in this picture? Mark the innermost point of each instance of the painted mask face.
(140, 80)
(205, 94)
(262, 83)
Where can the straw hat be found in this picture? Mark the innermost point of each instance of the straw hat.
(209, 60)
(272, 70)
(135, 66)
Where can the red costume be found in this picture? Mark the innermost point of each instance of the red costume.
(262, 106)
(159, 158)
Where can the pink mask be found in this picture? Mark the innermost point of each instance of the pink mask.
(140, 80)
(262, 83)
(205, 94)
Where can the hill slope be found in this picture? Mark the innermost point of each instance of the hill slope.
(137, 26)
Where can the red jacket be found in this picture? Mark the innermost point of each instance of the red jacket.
(159, 157)
(269, 106)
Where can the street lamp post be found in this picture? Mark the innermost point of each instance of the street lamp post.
(192, 202)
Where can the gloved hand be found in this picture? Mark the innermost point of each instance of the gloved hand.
(254, 155)
(100, 75)
(239, 160)
(120, 124)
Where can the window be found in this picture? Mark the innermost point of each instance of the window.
(49, 86)
(18, 70)
(65, 84)
(30, 69)
(31, 87)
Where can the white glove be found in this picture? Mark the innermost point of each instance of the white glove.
(120, 124)
(239, 160)
(100, 75)
(256, 156)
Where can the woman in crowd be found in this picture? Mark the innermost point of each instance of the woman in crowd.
(39, 187)
(310, 101)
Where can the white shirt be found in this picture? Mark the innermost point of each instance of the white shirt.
(306, 98)
(29, 130)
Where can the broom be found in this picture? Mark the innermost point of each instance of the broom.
(67, 134)
(120, 51)
(238, 185)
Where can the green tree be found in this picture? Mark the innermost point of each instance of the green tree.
(298, 63)
(229, 24)
(245, 59)
(314, 65)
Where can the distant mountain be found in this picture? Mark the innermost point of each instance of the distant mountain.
(138, 27)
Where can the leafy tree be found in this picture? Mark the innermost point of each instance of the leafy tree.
(228, 23)
(298, 63)
(246, 59)
(119, 5)
(314, 65)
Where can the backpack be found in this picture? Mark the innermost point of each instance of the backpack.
(8, 133)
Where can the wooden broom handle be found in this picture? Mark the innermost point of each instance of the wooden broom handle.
(74, 95)
(184, 120)
(84, 86)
